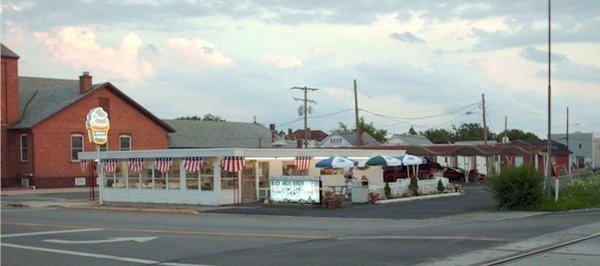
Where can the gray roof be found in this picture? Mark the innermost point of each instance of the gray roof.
(7, 52)
(40, 98)
(412, 139)
(367, 139)
(211, 134)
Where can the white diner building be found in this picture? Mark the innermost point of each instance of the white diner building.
(120, 181)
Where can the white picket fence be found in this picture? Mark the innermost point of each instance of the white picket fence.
(400, 187)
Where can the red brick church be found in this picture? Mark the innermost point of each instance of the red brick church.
(43, 125)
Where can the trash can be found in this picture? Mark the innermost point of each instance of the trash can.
(359, 192)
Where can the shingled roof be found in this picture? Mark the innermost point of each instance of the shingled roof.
(7, 52)
(40, 98)
(212, 134)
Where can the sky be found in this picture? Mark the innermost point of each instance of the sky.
(423, 64)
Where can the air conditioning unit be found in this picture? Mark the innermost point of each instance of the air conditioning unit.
(25, 182)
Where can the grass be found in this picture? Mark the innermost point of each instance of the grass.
(583, 193)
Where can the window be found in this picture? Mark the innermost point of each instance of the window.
(289, 169)
(173, 175)
(24, 149)
(76, 146)
(580, 146)
(203, 179)
(229, 180)
(125, 142)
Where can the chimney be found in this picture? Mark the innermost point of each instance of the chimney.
(10, 90)
(272, 127)
(289, 131)
(85, 82)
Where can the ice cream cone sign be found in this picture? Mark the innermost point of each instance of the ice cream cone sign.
(97, 126)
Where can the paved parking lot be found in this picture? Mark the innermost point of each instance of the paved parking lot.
(476, 198)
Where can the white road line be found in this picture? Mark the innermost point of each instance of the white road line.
(51, 232)
(94, 255)
(30, 209)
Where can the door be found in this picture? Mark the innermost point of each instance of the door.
(263, 180)
(580, 161)
(249, 182)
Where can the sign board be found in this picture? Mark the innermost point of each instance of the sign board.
(296, 189)
(97, 126)
(80, 181)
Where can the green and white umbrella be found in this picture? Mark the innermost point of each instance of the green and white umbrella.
(383, 160)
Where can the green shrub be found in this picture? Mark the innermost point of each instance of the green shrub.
(440, 186)
(517, 188)
(387, 191)
(414, 185)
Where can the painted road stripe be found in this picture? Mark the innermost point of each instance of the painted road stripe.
(179, 232)
(468, 238)
(51, 232)
(94, 255)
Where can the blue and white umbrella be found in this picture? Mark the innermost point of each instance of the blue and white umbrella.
(411, 159)
(335, 162)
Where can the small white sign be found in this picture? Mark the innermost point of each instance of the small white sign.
(80, 181)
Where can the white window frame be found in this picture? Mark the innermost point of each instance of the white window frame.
(21, 148)
(104, 144)
(82, 145)
(130, 143)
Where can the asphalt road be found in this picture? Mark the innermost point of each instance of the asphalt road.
(476, 198)
(54, 236)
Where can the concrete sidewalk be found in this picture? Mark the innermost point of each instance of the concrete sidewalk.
(15, 192)
(582, 253)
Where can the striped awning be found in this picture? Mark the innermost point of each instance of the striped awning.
(110, 165)
(136, 165)
(163, 164)
(302, 162)
(193, 164)
(233, 163)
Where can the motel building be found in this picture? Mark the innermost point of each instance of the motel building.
(219, 176)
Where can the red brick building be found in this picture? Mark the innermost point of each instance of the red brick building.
(43, 125)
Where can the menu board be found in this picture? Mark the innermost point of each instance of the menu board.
(296, 189)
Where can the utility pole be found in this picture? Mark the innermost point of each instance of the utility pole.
(305, 109)
(485, 130)
(505, 129)
(549, 141)
(567, 135)
(358, 131)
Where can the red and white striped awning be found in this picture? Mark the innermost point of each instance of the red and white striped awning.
(233, 163)
(110, 165)
(302, 162)
(193, 164)
(163, 164)
(136, 165)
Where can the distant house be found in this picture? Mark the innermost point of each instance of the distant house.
(585, 148)
(296, 139)
(212, 134)
(347, 139)
(537, 151)
(408, 139)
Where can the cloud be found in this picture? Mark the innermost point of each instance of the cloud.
(564, 67)
(197, 53)
(282, 61)
(406, 37)
(78, 46)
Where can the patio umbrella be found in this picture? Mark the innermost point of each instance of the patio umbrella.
(335, 162)
(383, 160)
(411, 159)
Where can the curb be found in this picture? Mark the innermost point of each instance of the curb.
(419, 198)
(127, 209)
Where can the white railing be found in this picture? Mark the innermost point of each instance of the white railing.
(400, 187)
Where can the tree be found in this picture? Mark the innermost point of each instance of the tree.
(206, 117)
(438, 135)
(378, 134)
(470, 131)
(514, 134)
